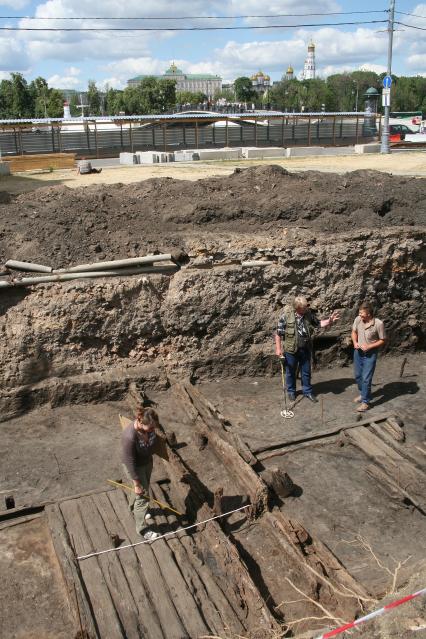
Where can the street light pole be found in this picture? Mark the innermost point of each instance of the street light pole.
(385, 130)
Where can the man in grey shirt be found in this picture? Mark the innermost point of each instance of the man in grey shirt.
(368, 335)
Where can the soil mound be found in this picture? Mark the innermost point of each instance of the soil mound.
(71, 225)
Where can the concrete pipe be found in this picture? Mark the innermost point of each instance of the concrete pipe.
(167, 269)
(28, 266)
(115, 264)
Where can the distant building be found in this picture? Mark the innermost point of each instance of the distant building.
(289, 75)
(260, 82)
(308, 72)
(194, 82)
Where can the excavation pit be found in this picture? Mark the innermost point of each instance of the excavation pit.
(348, 527)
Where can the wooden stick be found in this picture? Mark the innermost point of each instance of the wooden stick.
(404, 361)
(159, 503)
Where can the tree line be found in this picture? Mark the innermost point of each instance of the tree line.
(338, 92)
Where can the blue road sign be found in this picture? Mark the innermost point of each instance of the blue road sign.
(387, 81)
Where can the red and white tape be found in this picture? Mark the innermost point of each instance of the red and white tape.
(376, 613)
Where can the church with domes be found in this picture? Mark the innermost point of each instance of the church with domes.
(309, 70)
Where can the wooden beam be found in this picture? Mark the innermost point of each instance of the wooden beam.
(77, 597)
(211, 600)
(196, 404)
(403, 472)
(327, 432)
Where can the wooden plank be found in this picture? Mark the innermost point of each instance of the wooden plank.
(404, 473)
(111, 568)
(327, 432)
(179, 592)
(13, 513)
(391, 487)
(220, 553)
(196, 405)
(105, 614)
(71, 573)
(387, 436)
(313, 552)
(172, 627)
(211, 427)
(290, 449)
(215, 607)
(247, 481)
(42, 161)
(128, 579)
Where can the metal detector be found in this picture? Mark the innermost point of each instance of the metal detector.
(286, 413)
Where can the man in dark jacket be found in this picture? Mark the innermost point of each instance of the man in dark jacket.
(293, 340)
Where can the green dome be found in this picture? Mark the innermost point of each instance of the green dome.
(371, 93)
(173, 70)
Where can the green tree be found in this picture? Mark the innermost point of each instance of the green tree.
(114, 102)
(150, 96)
(55, 104)
(225, 94)
(244, 91)
(288, 95)
(22, 98)
(93, 98)
(40, 96)
(6, 99)
(188, 97)
(167, 94)
(408, 93)
(74, 110)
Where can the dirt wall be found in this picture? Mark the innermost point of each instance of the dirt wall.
(217, 320)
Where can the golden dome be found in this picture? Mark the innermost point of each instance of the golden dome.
(290, 70)
(311, 46)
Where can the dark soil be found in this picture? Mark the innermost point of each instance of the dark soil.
(61, 226)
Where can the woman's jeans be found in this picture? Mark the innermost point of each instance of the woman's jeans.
(364, 366)
(302, 357)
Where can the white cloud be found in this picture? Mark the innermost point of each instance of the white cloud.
(68, 80)
(65, 82)
(12, 55)
(73, 71)
(130, 67)
(111, 83)
(14, 4)
(376, 68)
(417, 63)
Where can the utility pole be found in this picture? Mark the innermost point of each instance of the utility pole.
(385, 129)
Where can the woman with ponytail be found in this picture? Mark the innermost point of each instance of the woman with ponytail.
(140, 441)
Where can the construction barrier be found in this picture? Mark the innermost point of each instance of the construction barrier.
(372, 615)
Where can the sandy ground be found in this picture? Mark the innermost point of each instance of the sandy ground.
(401, 163)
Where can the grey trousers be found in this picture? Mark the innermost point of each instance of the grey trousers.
(140, 503)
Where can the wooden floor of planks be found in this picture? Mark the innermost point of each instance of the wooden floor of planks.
(167, 589)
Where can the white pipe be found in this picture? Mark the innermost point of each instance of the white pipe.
(28, 266)
(66, 277)
(257, 263)
(105, 266)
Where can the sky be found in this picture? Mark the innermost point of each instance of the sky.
(68, 59)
